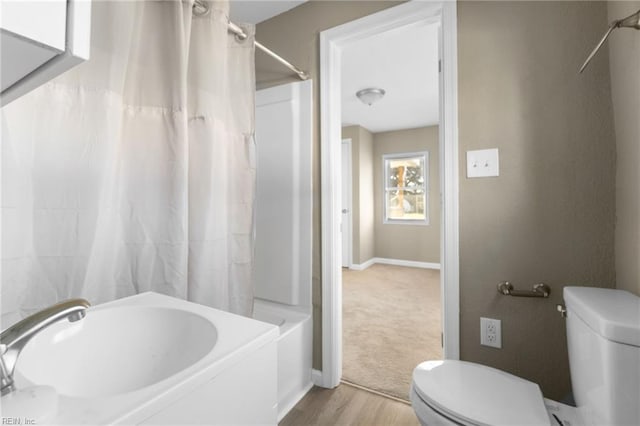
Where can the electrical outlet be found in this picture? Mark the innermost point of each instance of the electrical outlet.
(490, 332)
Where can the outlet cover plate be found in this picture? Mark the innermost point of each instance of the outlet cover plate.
(491, 332)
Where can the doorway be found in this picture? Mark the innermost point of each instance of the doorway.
(331, 42)
(391, 293)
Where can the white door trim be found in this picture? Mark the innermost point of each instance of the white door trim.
(347, 227)
(331, 43)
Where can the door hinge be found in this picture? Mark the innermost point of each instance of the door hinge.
(439, 65)
(441, 340)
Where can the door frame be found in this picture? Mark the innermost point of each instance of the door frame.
(331, 43)
(349, 223)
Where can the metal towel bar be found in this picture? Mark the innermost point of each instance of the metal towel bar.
(539, 290)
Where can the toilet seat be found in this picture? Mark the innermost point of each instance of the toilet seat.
(474, 394)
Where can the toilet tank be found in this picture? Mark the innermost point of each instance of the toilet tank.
(603, 337)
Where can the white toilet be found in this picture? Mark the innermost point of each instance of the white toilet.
(603, 333)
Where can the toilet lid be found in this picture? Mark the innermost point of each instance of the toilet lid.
(479, 395)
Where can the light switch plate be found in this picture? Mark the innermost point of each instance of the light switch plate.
(483, 163)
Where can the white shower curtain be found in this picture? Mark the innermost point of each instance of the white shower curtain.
(134, 171)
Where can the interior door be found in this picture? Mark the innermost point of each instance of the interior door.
(346, 226)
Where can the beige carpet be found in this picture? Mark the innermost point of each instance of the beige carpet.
(391, 323)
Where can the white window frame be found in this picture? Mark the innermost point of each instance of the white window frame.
(425, 171)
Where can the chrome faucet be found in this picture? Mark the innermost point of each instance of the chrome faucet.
(13, 339)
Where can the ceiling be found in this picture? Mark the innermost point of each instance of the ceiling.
(403, 62)
(255, 11)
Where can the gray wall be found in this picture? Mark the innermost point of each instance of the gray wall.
(408, 242)
(624, 55)
(550, 215)
(362, 164)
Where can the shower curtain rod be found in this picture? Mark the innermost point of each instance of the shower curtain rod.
(201, 8)
(239, 32)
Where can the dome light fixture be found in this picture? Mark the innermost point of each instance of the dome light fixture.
(370, 95)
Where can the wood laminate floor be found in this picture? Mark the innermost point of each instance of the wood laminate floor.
(348, 405)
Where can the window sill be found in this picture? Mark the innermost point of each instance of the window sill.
(406, 222)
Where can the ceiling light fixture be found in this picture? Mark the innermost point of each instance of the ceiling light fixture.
(370, 95)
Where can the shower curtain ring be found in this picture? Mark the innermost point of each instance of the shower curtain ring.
(241, 36)
(200, 8)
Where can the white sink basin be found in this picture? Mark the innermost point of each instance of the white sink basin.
(116, 350)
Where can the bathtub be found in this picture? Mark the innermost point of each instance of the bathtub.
(293, 348)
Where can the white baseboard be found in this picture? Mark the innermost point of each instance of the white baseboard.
(409, 263)
(397, 262)
(316, 378)
(363, 266)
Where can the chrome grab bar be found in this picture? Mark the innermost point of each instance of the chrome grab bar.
(539, 290)
(562, 310)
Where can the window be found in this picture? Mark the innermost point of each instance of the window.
(405, 191)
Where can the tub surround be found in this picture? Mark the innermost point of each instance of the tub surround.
(294, 350)
(283, 232)
(238, 370)
(283, 194)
